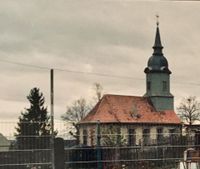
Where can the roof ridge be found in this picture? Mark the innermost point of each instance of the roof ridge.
(114, 108)
(94, 110)
(99, 103)
(121, 95)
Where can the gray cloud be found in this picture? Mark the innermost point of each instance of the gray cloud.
(110, 37)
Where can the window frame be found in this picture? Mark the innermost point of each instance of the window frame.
(85, 136)
(146, 136)
(148, 85)
(164, 86)
(131, 137)
(159, 135)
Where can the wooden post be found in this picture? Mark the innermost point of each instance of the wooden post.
(52, 117)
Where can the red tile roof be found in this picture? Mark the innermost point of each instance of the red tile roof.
(129, 109)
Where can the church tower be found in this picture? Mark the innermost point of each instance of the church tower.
(158, 78)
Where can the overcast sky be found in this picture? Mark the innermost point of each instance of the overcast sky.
(112, 37)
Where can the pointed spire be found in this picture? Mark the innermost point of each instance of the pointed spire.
(157, 45)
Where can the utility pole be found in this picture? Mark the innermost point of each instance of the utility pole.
(99, 163)
(52, 117)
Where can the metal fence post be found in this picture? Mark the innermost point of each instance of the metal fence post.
(99, 163)
(59, 153)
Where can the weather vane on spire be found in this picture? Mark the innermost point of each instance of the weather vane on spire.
(157, 20)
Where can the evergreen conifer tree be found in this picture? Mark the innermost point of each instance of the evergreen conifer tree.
(33, 130)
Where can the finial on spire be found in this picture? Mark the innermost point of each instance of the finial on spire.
(157, 19)
(157, 45)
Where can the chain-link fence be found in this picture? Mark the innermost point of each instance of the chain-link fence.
(33, 151)
(27, 148)
(160, 153)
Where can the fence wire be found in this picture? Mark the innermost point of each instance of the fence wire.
(28, 149)
(153, 151)
(163, 156)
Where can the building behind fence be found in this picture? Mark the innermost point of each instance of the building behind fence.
(120, 132)
(166, 152)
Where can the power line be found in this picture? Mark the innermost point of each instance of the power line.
(24, 64)
(188, 83)
(71, 71)
(99, 74)
(88, 73)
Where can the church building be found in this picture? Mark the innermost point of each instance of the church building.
(136, 120)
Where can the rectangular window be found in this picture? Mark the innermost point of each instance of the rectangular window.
(164, 86)
(92, 134)
(148, 85)
(131, 137)
(146, 137)
(172, 136)
(159, 135)
(85, 137)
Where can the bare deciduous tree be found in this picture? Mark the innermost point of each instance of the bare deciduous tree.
(189, 110)
(76, 112)
(110, 136)
(79, 109)
(98, 91)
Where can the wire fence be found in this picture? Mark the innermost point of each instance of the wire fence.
(27, 148)
(31, 150)
(165, 154)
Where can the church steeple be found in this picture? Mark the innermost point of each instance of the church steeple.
(158, 77)
(157, 45)
(157, 62)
